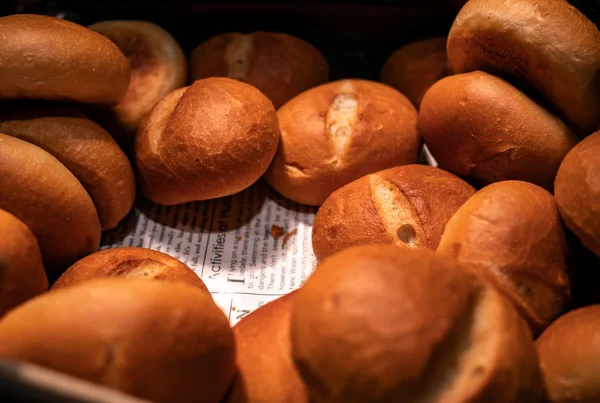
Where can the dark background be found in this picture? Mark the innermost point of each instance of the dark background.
(355, 37)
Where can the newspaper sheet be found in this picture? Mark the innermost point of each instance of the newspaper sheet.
(248, 249)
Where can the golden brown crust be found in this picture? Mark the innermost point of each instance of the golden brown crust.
(339, 132)
(406, 206)
(129, 262)
(212, 139)
(560, 58)
(81, 145)
(22, 274)
(511, 234)
(158, 67)
(569, 351)
(415, 67)
(162, 341)
(479, 126)
(44, 194)
(386, 324)
(279, 65)
(577, 192)
(48, 58)
(265, 369)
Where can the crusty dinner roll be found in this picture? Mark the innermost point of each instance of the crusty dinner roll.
(44, 194)
(158, 340)
(128, 262)
(158, 66)
(338, 132)
(86, 149)
(548, 45)
(511, 234)
(212, 139)
(415, 67)
(407, 206)
(577, 193)
(280, 65)
(569, 352)
(479, 126)
(22, 274)
(265, 369)
(377, 323)
(49, 58)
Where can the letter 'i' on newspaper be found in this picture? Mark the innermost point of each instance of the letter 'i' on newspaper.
(249, 249)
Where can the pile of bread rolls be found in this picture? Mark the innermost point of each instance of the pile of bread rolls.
(455, 283)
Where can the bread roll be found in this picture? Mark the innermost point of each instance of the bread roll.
(279, 65)
(158, 340)
(212, 139)
(158, 67)
(481, 127)
(569, 351)
(546, 45)
(511, 234)
(265, 369)
(406, 206)
(128, 262)
(22, 274)
(577, 194)
(415, 67)
(37, 189)
(338, 132)
(81, 145)
(49, 58)
(377, 323)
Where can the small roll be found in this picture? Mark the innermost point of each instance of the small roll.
(569, 352)
(415, 67)
(158, 340)
(547, 45)
(49, 58)
(577, 194)
(81, 145)
(129, 262)
(158, 67)
(338, 132)
(406, 206)
(212, 139)
(265, 369)
(281, 66)
(40, 191)
(511, 234)
(481, 127)
(377, 323)
(21, 270)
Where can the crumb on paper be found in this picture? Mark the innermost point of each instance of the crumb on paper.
(239, 237)
(288, 236)
(277, 231)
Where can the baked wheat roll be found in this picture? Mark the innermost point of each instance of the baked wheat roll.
(336, 133)
(548, 46)
(480, 127)
(21, 268)
(281, 66)
(128, 262)
(157, 65)
(158, 340)
(407, 206)
(40, 191)
(52, 59)
(377, 323)
(265, 368)
(81, 145)
(415, 67)
(511, 234)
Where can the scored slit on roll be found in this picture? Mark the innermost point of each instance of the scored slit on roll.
(341, 119)
(397, 214)
(237, 56)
